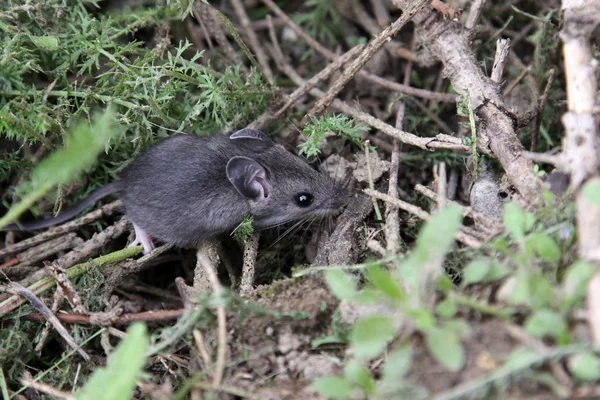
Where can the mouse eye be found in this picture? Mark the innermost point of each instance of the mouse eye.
(304, 199)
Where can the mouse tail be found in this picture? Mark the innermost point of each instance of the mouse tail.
(104, 191)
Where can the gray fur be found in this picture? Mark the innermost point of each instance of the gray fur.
(178, 191)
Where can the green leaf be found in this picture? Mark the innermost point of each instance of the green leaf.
(366, 296)
(434, 241)
(542, 291)
(333, 387)
(530, 219)
(117, 380)
(46, 43)
(446, 348)
(330, 339)
(446, 308)
(515, 220)
(370, 335)
(545, 322)
(81, 150)
(243, 232)
(476, 271)
(585, 367)
(498, 271)
(591, 192)
(445, 284)
(440, 231)
(397, 363)
(576, 279)
(385, 282)
(459, 326)
(423, 319)
(359, 375)
(519, 288)
(520, 358)
(317, 129)
(341, 284)
(545, 247)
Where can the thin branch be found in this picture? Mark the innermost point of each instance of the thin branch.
(312, 82)
(199, 340)
(540, 111)
(502, 50)
(46, 283)
(331, 56)
(47, 389)
(240, 11)
(250, 253)
(85, 319)
(405, 137)
(546, 158)
(491, 224)
(362, 59)
(48, 316)
(59, 230)
(474, 13)
(88, 248)
(211, 274)
(424, 215)
(509, 88)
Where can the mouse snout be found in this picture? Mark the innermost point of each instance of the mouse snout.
(340, 200)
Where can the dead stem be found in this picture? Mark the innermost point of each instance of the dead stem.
(250, 253)
(240, 11)
(47, 389)
(211, 274)
(48, 316)
(424, 215)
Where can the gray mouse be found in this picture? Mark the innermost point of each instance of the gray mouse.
(188, 189)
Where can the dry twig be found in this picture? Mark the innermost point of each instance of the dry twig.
(59, 230)
(47, 389)
(451, 44)
(253, 39)
(581, 137)
(331, 56)
(84, 251)
(250, 253)
(540, 110)
(48, 316)
(211, 274)
(424, 215)
(474, 13)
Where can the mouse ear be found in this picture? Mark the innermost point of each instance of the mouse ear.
(248, 177)
(256, 140)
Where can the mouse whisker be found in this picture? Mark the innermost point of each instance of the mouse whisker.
(287, 232)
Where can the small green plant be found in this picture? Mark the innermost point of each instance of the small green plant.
(317, 129)
(322, 21)
(527, 258)
(401, 290)
(81, 150)
(464, 109)
(117, 380)
(244, 230)
(60, 62)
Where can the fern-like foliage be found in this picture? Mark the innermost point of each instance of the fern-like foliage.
(60, 61)
(317, 130)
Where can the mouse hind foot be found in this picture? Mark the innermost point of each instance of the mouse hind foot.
(141, 237)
